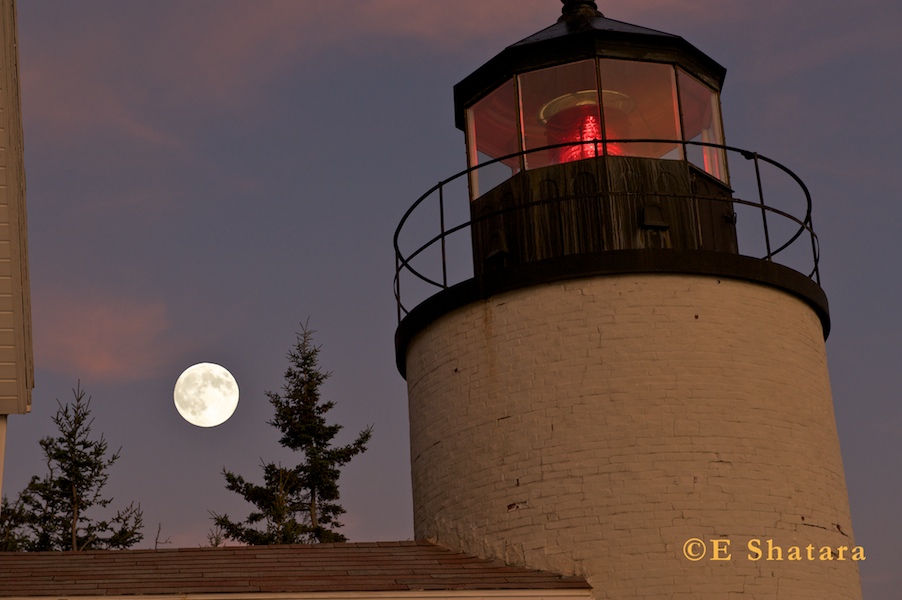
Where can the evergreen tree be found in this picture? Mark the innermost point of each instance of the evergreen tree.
(13, 534)
(299, 504)
(55, 512)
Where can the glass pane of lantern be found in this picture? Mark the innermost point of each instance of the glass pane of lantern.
(492, 133)
(701, 123)
(640, 102)
(560, 106)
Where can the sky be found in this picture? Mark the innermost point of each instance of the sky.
(204, 177)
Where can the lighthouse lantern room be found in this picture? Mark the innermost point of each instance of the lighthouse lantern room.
(634, 108)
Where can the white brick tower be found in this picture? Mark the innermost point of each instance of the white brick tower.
(631, 385)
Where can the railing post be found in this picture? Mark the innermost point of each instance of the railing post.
(815, 252)
(763, 206)
(441, 210)
(398, 283)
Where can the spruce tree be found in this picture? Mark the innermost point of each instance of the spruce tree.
(297, 504)
(13, 533)
(57, 512)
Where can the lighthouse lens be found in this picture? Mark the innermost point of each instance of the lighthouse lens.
(580, 128)
(560, 105)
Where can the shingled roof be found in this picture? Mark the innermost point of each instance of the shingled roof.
(400, 567)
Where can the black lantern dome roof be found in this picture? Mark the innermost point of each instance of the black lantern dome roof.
(580, 33)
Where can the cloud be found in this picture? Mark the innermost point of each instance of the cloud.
(67, 95)
(154, 72)
(123, 70)
(689, 8)
(455, 24)
(100, 337)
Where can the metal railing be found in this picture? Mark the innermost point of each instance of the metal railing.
(442, 268)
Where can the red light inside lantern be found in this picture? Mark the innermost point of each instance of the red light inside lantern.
(579, 126)
(572, 126)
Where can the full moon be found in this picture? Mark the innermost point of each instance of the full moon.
(206, 395)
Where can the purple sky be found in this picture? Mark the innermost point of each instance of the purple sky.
(204, 176)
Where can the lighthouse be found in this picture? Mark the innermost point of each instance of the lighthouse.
(625, 378)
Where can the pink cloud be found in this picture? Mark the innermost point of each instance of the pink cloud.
(129, 75)
(64, 98)
(209, 58)
(99, 337)
(460, 23)
(454, 24)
